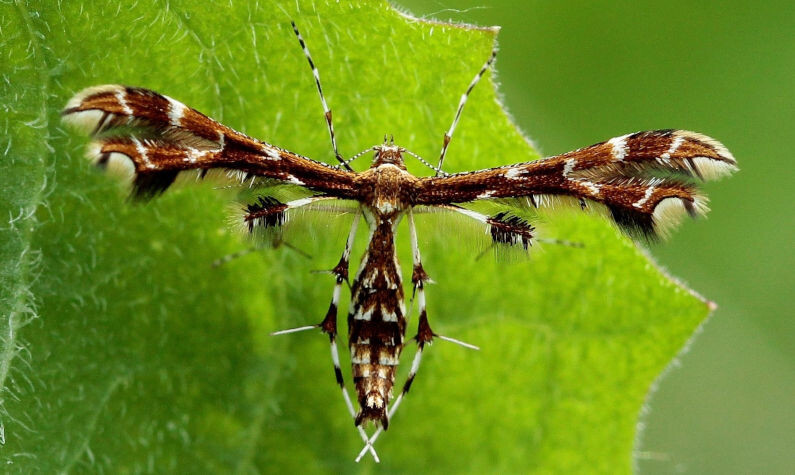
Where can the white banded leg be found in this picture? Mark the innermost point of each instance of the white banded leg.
(424, 333)
(326, 110)
(464, 97)
(329, 326)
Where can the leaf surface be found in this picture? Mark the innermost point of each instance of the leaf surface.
(123, 350)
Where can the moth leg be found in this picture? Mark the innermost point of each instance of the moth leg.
(329, 326)
(424, 333)
(449, 134)
(326, 110)
(249, 250)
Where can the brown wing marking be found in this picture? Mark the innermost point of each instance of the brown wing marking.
(162, 137)
(639, 177)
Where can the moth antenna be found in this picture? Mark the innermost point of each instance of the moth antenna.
(424, 162)
(326, 110)
(370, 149)
(449, 135)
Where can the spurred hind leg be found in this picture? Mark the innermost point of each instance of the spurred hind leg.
(329, 327)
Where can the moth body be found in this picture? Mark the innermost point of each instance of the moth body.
(645, 181)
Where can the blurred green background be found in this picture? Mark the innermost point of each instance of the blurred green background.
(575, 73)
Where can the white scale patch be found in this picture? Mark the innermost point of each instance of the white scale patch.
(142, 152)
(366, 316)
(646, 196)
(592, 187)
(712, 169)
(118, 164)
(120, 93)
(568, 167)
(387, 359)
(674, 147)
(360, 360)
(294, 180)
(85, 121)
(385, 206)
(375, 401)
(272, 154)
(388, 316)
(176, 110)
(667, 214)
(619, 145)
(513, 173)
(193, 155)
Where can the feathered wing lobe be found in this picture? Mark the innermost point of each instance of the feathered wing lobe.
(154, 138)
(500, 230)
(645, 179)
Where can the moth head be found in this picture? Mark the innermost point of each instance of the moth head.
(388, 154)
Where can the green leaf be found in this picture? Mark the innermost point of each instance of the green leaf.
(123, 350)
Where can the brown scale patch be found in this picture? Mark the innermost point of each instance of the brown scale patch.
(419, 276)
(646, 145)
(202, 126)
(593, 156)
(148, 105)
(105, 101)
(692, 147)
(386, 184)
